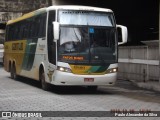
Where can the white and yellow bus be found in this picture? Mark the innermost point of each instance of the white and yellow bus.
(64, 45)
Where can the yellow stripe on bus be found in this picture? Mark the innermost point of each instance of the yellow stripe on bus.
(21, 18)
(28, 15)
(15, 51)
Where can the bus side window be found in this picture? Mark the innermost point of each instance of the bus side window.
(42, 25)
(51, 44)
(37, 26)
(31, 25)
(21, 30)
(25, 30)
(17, 30)
(7, 33)
(11, 30)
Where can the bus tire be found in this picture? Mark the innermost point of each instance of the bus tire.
(13, 72)
(92, 88)
(44, 85)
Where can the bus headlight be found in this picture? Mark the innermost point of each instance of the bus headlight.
(64, 69)
(112, 70)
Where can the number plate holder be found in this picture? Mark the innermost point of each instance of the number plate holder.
(88, 79)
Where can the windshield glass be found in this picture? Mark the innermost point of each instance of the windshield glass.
(92, 44)
(85, 18)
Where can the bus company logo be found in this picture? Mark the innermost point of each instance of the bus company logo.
(89, 72)
(41, 47)
(17, 46)
(6, 114)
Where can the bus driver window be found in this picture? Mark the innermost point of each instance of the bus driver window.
(69, 38)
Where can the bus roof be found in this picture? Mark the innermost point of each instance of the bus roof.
(76, 7)
(68, 7)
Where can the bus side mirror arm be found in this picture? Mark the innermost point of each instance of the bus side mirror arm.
(55, 31)
(122, 34)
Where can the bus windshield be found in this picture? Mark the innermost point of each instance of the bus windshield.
(89, 39)
(85, 18)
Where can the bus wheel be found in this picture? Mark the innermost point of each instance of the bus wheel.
(92, 88)
(43, 82)
(13, 72)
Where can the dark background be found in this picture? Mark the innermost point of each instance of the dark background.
(140, 16)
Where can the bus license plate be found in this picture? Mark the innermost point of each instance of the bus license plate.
(88, 79)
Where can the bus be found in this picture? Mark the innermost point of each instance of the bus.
(64, 46)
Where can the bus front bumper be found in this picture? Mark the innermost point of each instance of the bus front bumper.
(63, 78)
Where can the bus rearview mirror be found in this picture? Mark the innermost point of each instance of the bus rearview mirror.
(122, 34)
(56, 30)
